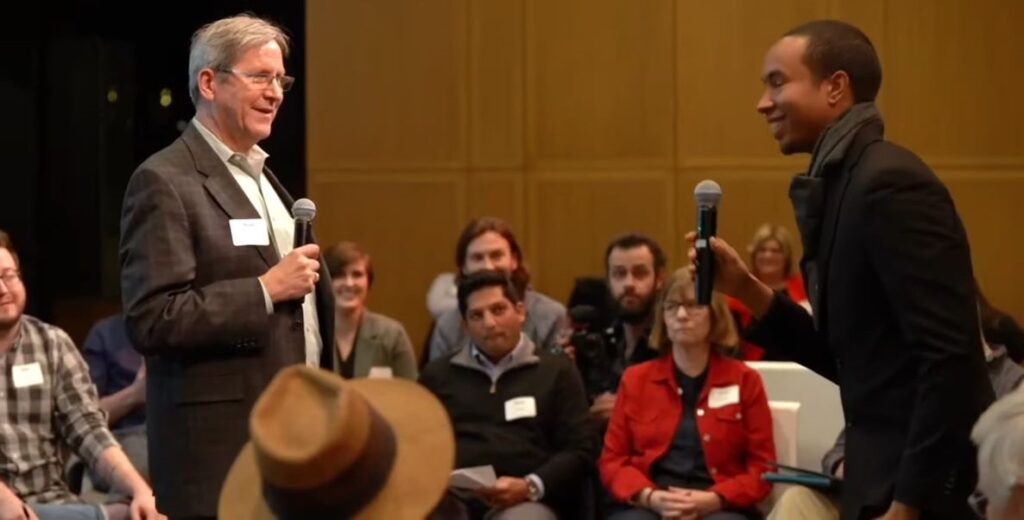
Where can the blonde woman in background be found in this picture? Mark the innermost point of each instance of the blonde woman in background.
(771, 261)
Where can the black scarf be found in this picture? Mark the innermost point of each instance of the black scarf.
(807, 190)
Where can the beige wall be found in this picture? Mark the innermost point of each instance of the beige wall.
(579, 119)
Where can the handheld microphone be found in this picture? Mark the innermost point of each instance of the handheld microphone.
(707, 193)
(303, 211)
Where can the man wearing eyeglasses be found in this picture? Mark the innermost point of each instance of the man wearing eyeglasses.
(214, 294)
(47, 400)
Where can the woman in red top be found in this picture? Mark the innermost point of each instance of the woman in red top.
(771, 261)
(691, 432)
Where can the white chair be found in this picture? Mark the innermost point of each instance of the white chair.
(786, 430)
(820, 415)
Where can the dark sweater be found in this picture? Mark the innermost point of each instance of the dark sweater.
(558, 445)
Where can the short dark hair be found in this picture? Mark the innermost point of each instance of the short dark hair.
(342, 255)
(479, 226)
(631, 240)
(472, 283)
(832, 46)
(6, 243)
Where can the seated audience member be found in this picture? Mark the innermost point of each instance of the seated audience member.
(366, 344)
(635, 269)
(999, 434)
(48, 400)
(325, 448)
(488, 243)
(119, 374)
(801, 503)
(514, 406)
(691, 432)
(771, 261)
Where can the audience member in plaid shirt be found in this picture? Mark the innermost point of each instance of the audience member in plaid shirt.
(47, 398)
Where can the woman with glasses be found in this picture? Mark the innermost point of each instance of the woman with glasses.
(691, 432)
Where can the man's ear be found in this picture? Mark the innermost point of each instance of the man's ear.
(206, 84)
(838, 87)
(521, 310)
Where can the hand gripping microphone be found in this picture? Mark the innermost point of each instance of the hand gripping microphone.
(707, 193)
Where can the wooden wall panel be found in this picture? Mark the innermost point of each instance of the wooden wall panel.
(720, 53)
(497, 112)
(599, 83)
(499, 194)
(989, 202)
(408, 222)
(573, 216)
(953, 77)
(386, 84)
(576, 120)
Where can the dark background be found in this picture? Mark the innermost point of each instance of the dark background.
(82, 89)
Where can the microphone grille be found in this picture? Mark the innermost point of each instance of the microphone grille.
(304, 209)
(707, 193)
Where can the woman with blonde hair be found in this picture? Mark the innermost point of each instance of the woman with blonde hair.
(771, 261)
(691, 432)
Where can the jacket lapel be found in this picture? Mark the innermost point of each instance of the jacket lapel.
(835, 192)
(222, 187)
(366, 338)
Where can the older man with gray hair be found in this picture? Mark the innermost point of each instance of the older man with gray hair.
(215, 296)
(999, 434)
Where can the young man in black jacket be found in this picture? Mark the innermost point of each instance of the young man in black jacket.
(889, 276)
(513, 406)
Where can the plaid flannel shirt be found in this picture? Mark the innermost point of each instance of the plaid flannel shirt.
(36, 419)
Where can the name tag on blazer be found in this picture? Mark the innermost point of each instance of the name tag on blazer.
(380, 373)
(249, 232)
(720, 396)
(520, 408)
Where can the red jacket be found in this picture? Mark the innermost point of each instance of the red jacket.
(737, 436)
(752, 351)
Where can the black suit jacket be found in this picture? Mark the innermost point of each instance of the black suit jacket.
(897, 330)
(195, 309)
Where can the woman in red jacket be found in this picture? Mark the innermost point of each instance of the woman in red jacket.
(691, 432)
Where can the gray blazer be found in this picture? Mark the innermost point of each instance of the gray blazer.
(195, 309)
(381, 342)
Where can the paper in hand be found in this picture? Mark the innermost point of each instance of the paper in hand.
(472, 478)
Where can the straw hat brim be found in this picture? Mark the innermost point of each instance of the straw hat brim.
(423, 461)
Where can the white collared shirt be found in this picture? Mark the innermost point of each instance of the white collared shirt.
(280, 222)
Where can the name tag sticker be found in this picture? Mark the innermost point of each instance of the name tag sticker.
(520, 408)
(380, 373)
(27, 375)
(249, 232)
(720, 396)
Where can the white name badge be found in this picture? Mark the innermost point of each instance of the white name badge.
(249, 232)
(380, 373)
(519, 408)
(26, 375)
(720, 396)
